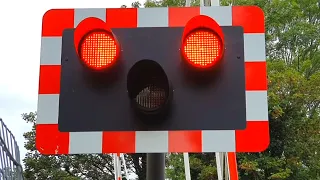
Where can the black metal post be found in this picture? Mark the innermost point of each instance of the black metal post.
(155, 166)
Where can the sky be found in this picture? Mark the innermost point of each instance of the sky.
(20, 31)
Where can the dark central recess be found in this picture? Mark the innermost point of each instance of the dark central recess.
(150, 93)
(152, 86)
(148, 86)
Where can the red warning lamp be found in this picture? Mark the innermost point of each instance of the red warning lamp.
(96, 45)
(202, 42)
(98, 50)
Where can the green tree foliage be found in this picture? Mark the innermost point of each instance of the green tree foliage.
(294, 123)
(293, 43)
(292, 31)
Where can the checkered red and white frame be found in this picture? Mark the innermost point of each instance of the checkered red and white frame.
(254, 138)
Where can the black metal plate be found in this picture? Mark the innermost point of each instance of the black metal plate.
(219, 106)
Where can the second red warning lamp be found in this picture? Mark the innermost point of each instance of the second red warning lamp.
(202, 45)
(96, 45)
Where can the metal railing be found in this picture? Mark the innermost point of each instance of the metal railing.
(10, 167)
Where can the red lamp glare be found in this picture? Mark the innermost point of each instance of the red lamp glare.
(98, 50)
(202, 48)
(95, 44)
(202, 42)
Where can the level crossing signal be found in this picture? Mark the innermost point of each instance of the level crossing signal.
(131, 80)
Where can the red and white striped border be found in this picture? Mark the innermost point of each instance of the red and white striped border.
(254, 138)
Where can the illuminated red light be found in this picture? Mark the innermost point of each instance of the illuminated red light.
(202, 48)
(202, 44)
(99, 50)
(96, 46)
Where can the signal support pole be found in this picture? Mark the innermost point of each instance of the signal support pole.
(155, 166)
